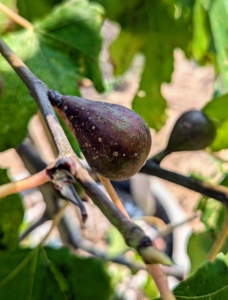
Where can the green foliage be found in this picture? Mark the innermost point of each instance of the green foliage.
(151, 28)
(33, 10)
(11, 216)
(213, 217)
(4, 20)
(46, 273)
(210, 281)
(216, 112)
(55, 56)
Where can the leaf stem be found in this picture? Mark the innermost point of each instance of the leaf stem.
(24, 184)
(161, 282)
(219, 240)
(113, 195)
(15, 17)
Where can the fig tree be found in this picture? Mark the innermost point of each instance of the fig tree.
(114, 139)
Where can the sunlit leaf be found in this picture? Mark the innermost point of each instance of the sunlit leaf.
(154, 29)
(210, 281)
(61, 49)
(216, 112)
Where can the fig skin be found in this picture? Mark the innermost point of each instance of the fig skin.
(114, 139)
(193, 130)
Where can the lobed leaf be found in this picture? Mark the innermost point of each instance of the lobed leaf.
(153, 29)
(60, 50)
(46, 273)
(210, 281)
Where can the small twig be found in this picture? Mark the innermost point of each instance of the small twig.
(160, 155)
(42, 220)
(113, 195)
(24, 184)
(169, 228)
(219, 193)
(55, 222)
(15, 17)
(219, 240)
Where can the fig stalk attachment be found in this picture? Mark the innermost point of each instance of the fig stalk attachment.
(193, 130)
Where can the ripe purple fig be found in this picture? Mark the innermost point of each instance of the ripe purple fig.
(193, 130)
(114, 139)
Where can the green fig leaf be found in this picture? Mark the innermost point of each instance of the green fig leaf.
(55, 56)
(33, 10)
(216, 112)
(46, 273)
(219, 28)
(210, 281)
(11, 217)
(152, 29)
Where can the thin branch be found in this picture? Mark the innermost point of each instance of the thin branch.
(220, 240)
(15, 17)
(113, 195)
(219, 193)
(24, 184)
(38, 91)
(42, 220)
(55, 222)
(169, 228)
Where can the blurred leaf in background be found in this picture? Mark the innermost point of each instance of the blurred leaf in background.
(11, 217)
(55, 56)
(153, 28)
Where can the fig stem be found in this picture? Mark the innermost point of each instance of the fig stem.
(113, 195)
(15, 17)
(160, 156)
(24, 184)
(219, 240)
(219, 193)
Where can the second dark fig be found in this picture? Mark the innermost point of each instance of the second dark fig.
(114, 139)
(193, 130)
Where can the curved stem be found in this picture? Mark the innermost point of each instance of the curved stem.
(15, 17)
(55, 222)
(24, 184)
(219, 240)
(161, 282)
(34, 226)
(113, 195)
(160, 155)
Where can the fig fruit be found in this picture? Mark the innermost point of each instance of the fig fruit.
(193, 130)
(114, 139)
